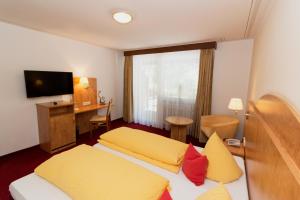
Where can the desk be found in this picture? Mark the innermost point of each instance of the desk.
(89, 108)
(179, 127)
(237, 151)
(84, 114)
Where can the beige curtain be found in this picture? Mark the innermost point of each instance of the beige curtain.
(128, 87)
(204, 92)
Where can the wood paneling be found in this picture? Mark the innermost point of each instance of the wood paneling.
(284, 129)
(272, 131)
(85, 94)
(187, 47)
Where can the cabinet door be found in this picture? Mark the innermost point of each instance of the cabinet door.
(62, 128)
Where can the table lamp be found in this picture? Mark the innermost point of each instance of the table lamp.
(235, 104)
(84, 82)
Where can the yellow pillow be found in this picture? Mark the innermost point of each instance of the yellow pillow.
(222, 167)
(217, 193)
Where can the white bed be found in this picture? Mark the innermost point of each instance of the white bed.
(32, 187)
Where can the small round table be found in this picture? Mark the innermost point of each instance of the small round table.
(179, 127)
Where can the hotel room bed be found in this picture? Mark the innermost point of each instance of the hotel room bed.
(272, 161)
(32, 187)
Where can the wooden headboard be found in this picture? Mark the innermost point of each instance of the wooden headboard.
(272, 152)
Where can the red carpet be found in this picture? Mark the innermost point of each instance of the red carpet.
(21, 163)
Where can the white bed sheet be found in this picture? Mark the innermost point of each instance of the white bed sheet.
(32, 187)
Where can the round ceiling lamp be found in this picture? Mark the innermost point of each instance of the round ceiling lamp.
(122, 17)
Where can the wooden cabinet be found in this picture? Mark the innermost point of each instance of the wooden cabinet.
(56, 126)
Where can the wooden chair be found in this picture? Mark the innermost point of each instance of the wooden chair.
(101, 120)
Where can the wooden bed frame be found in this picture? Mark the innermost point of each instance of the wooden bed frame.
(272, 152)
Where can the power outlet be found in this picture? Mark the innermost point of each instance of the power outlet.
(86, 103)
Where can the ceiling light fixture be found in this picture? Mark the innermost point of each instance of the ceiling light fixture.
(122, 17)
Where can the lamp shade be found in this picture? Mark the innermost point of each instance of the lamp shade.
(84, 82)
(235, 104)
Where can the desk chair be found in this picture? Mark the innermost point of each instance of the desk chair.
(101, 120)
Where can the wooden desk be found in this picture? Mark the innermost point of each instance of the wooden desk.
(84, 114)
(237, 151)
(179, 127)
(90, 108)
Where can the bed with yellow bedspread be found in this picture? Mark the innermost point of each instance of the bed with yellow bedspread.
(88, 173)
(155, 149)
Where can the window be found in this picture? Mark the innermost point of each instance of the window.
(164, 84)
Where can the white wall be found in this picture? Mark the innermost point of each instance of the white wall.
(276, 61)
(22, 48)
(231, 76)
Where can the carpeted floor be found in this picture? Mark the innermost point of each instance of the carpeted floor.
(21, 163)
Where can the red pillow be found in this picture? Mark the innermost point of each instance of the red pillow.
(194, 165)
(166, 195)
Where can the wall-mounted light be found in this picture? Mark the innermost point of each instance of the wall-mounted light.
(235, 104)
(84, 82)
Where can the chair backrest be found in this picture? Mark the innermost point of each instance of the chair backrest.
(109, 108)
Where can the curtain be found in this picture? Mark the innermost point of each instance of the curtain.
(164, 84)
(204, 91)
(128, 85)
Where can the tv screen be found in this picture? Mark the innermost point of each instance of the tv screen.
(45, 83)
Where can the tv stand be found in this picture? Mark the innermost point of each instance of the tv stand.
(56, 126)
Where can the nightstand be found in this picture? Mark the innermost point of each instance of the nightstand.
(237, 151)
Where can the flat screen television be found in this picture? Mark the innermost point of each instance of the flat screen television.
(47, 83)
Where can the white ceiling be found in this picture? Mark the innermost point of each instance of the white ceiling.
(155, 22)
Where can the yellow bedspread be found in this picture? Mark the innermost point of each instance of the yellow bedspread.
(158, 150)
(86, 173)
